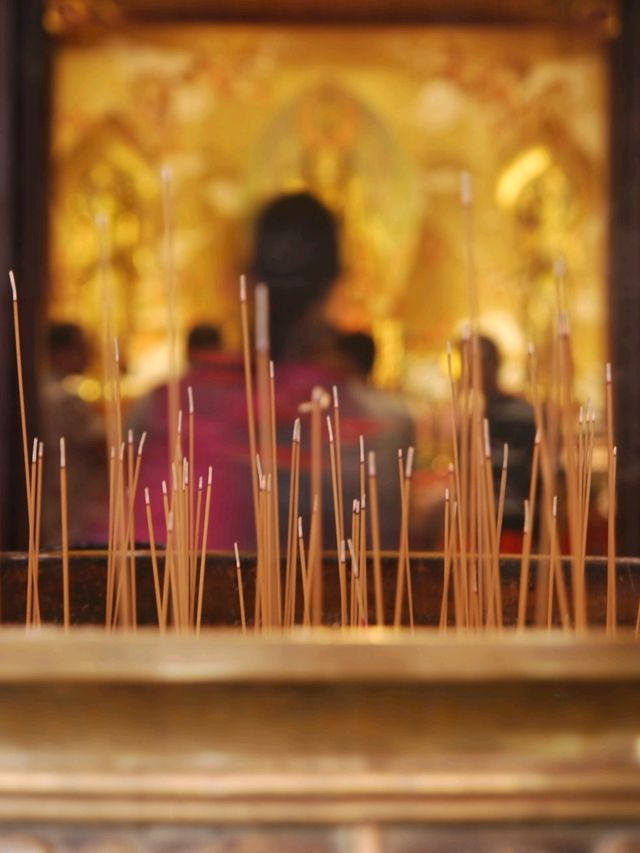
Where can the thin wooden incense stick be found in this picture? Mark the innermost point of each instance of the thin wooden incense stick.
(274, 494)
(336, 513)
(338, 443)
(172, 304)
(292, 545)
(23, 414)
(375, 539)
(64, 524)
(154, 561)
(243, 620)
(248, 383)
(203, 552)
(611, 522)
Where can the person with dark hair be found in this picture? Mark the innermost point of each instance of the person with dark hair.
(296, 254)
(66, 415)
(511, 421)
(359, 352)
(202, 340)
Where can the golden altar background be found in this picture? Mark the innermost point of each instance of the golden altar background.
(379, 121)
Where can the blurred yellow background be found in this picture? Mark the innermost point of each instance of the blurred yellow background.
(379, 122)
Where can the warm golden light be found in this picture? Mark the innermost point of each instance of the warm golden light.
(379, 123)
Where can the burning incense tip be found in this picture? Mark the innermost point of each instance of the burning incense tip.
(271, 371)
(262, 318)
(408, 471)
(505, 456)
(362, 450)
(147, 499)
(237, 553)
(130, 437)
(170, 521)
(112, 453)
(451, 468)
(526, 516)
(363, 502)
(209, 476)
(608, 373)
(554, 511)
(164, 487)
(116, 350)
(179, 421)
(446, 494)
(40, 449)
(356, 506)
(63, 456)
(299, 527)
(342, 554)
(199, 484)
(372, 463)
(259, 467)
(243, 288)
(466, 189)
(14, 292)
(329, 430)
(143, 438)
(122, 446)
(615, 450)
(336, 402)
(296, 430)
(190, 398)
(537, 438)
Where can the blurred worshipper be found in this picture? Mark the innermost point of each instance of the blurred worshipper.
(216, 379)
(359, 352)
(64, 414)
(511, 421)
(296, 253)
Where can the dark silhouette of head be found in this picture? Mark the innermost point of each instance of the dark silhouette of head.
(296, 254)
(202, 340)
(69, 350)
(490, 361)
(359, 351)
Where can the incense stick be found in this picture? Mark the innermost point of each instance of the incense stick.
(243, 620)
(375, 537)
(154, 562)
(248, 383)
(23, 415)
(64, 522)
(203, 553)
(336, 512)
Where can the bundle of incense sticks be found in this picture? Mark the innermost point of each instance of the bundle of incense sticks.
(289, 575)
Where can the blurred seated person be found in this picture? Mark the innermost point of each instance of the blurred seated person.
(216, 379)
(296, 253)
(511, 421)
(64, 414)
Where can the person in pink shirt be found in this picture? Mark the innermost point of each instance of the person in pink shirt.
(296, 253)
